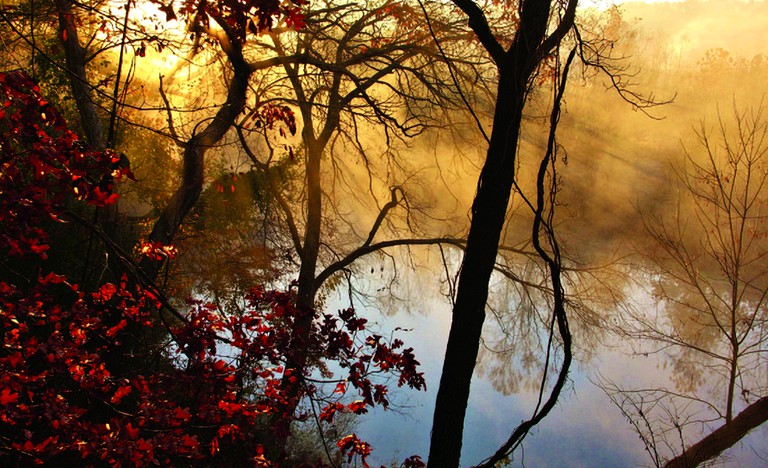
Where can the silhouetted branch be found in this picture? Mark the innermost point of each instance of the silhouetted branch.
(187, 194)
(724, 437)
(453, 75)
(617, 75)
(171, 128)
(559, 315)
(479, 24)
(366, 249)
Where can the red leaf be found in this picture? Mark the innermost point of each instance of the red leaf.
(143, 445)
(106, 292)
(6, 397)
(190, 442)
(131, 431)
(358, 407)
(181, 414)
(116, 329)
(121, 393)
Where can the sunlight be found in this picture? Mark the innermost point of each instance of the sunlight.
(605, 4)
(149, 16)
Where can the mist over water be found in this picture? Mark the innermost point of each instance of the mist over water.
(617, 165)
(708, 58)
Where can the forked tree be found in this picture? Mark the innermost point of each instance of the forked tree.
(708, 265)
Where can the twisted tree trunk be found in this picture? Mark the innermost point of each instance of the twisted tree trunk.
(185, 197)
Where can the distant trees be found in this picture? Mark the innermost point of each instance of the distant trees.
(710, 277)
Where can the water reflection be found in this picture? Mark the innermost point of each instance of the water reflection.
(618, 166)
(584, 430)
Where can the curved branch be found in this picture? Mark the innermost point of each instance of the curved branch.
(453, 75)
(618, 76)
(393, 202)
(339, 265)
(171, 128)
(562, 29)
(191, 187)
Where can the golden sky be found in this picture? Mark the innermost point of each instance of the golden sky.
(607, 3)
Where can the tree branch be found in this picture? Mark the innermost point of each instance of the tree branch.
(191, 187)
(723, 437)
(171, 127)
(337, 266)
(479, 24)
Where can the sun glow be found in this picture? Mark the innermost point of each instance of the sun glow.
(606, 4)
(147, 17)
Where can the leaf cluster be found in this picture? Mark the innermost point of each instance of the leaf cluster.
(77, 386)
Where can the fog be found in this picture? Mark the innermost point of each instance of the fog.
(617, 169)
(707, 59)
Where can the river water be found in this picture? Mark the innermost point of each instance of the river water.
(585, 429)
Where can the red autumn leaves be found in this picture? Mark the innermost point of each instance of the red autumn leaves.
(78, 385)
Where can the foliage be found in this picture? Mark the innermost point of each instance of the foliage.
(255, 17)
(43, 165)
(67, 395)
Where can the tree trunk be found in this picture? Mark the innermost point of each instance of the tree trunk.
(724, 437)
(185, 197)
(731, 383)
(296, 359)
(311, 246)
(488, 215)
(81, 89)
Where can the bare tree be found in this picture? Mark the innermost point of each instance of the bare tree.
(355, 74)
(708, 267)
